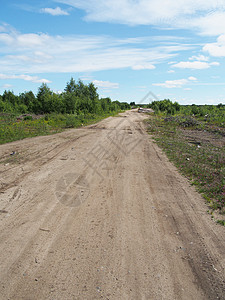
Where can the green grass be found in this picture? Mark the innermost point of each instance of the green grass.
(197, 150)
(221, 222)
(12, 129)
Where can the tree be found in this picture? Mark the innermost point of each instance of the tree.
(2, 105)
(43, 99)
(77, 97)
(176, 106)
(69, 101)
(9, 97)
(29, 100)
(115, 106)
(194, 109)
(124, 105)
(70, 86)
(43, 90)
(92, 89)
(83, 105)
(93, 96)
(82, 89)
(220, 105)
(59, 103)
(105, 103)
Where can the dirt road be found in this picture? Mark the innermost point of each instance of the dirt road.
(100, 213)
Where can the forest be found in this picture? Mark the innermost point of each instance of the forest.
(77, 98)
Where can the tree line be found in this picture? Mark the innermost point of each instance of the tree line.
(168, 107)
(77, 98)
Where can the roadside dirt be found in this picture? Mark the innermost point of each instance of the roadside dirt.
(100, 213)
(204, 137)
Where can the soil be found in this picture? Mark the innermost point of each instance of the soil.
(100, 213)
(204, 137)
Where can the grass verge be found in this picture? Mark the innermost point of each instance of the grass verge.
(198, 153)
(14, 128)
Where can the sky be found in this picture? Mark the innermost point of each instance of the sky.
(132, 50)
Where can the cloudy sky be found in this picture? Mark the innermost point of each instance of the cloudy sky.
(128, 48)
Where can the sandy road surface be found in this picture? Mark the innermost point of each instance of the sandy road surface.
(100, 213)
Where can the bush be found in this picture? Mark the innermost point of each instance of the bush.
(28, 118)
(165, 106)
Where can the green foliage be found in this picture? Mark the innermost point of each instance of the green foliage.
(77, 98)
(70, 86)
(28, 118)
(49, 112)
(207, 114)
(9, 97)
(165, 106)
(124, 106)
(221, 222)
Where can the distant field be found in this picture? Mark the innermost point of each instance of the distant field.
(196, 145)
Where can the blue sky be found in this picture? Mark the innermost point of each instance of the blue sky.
(175, 49)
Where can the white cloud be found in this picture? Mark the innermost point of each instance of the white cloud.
(23, 41)
(172, 83)
(43, 53)
(106, 84)
(212, 23)
(24, 77)
(86, 77)
(6, 38)
(216, 49)
(207, 16)
(181, 83)
(192, 78)
(178, 83)
(143, 67)
(171, 71)
(198, 65)
(54, 11)
(215, 63)
(6, 86)
(199, 57)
